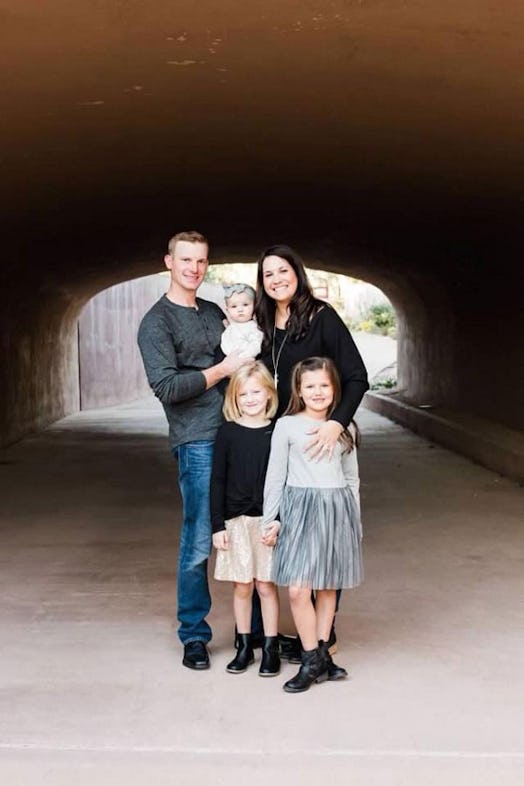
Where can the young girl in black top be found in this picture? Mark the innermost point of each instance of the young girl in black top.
(237, 487)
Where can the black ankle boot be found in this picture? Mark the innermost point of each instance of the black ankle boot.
(270, 663)
(244, 656)
(290, 648)
(334, 672)
(257, 639)
(313, 669)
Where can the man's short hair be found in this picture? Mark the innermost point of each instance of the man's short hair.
(189, 237)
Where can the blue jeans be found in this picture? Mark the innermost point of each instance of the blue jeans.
(194, 601)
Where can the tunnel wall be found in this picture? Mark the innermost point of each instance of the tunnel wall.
(459, 340)
(426, 325)
(111, 369)
(39, 362)
(426, 341)
(489, 359)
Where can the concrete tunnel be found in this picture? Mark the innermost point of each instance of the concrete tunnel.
(382, 140)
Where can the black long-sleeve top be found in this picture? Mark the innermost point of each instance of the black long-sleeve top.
(327, 337)
(239, 469)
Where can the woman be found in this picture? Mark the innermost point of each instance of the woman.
(296, 325)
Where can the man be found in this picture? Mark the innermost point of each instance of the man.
(178, 338)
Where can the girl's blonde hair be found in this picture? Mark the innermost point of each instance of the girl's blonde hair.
(231, 409)
(296, 404)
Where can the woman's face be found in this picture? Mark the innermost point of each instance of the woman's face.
(279, 279)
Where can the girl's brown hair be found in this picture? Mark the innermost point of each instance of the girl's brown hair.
(231, 409)
(296, 404)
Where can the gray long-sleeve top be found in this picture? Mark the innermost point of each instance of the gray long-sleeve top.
(289, 465)
(177, 343)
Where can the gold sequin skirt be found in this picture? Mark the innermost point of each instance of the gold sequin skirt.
(246, 558)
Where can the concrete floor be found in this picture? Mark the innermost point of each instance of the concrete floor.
(92, 686)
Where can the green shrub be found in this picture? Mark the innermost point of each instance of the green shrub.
(383, 317)
(388, 383)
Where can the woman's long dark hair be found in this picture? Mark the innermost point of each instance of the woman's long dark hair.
(302, 308)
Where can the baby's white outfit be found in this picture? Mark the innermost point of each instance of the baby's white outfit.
(245, 336)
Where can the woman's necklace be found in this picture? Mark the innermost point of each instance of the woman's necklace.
(276, 360)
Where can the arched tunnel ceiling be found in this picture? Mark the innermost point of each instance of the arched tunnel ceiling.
(387, 121)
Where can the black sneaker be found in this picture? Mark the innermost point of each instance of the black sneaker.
(196, 655)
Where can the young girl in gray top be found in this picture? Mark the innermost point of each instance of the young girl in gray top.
(319, 530)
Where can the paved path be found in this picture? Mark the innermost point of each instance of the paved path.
(378, 352)
(93, 689)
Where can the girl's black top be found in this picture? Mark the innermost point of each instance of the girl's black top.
(327, 337)
(239, 471)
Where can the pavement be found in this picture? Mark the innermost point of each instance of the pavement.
(92, 685)
(379, 353)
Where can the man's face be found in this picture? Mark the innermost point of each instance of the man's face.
(240, 307)
(187, 265)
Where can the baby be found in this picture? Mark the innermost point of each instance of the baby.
(242, 332)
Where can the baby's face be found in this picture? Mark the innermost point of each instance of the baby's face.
(240, 307)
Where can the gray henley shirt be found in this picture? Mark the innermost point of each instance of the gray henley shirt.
(177, 343)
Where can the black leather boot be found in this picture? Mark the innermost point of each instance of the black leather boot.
(257, 639)
(270, 663)
(290, 648)
(334, 672)
(313, 669)
(244, 656)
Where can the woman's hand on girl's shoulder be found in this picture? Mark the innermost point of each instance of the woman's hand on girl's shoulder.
(220, 540)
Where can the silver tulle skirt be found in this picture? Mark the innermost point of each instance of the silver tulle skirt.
(319, 543)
